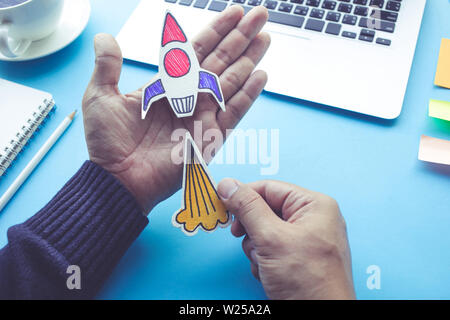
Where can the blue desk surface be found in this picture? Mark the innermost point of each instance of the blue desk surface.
(397, 208)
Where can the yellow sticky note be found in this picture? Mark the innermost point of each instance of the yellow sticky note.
(434, 150)
(442, 78)
(439, 109)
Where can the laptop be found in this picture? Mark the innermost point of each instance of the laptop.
(350, 54)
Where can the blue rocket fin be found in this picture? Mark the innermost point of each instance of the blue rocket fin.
(209, 82)
(151, 93)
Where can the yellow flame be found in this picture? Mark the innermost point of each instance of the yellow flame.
(202, 205)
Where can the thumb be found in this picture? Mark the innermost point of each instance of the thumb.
(248, 206)
(108, 62)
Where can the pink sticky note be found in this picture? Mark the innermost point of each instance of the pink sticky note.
(434, 150)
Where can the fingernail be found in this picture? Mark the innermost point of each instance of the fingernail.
(253, 256)
(227, 187)
(96, 40)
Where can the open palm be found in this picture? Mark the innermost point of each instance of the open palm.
(138, 152)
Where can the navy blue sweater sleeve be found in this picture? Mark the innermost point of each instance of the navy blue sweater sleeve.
(89, 224)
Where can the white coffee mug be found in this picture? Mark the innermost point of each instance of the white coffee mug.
(26, 22)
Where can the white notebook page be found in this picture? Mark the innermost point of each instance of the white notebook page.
(17, 104)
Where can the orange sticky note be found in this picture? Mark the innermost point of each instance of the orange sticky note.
(442, 78)
(434, 150)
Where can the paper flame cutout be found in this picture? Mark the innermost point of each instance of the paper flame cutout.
(202, 207)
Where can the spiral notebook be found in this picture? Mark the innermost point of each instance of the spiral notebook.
(22, 112)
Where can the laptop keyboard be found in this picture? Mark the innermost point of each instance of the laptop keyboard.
(369, 20)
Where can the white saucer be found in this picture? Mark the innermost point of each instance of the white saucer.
(74, 19)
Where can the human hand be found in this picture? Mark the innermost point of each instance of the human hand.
(296, 239)
(138, 152)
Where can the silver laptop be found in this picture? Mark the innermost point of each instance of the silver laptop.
(350, 54)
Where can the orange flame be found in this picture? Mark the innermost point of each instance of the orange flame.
(202, 206)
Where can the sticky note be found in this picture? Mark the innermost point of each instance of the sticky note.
(442, 78)
(434, 150)
(439, 109)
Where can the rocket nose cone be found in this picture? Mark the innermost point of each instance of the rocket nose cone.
(172, 30)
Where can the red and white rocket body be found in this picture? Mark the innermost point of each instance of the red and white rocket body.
(180, 77)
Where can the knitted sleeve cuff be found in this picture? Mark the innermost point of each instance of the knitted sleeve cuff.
(91, 221)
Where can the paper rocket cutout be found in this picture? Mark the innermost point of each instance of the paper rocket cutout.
(201, 206)
(180, 77)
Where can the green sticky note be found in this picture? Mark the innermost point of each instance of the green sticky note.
(439, 109)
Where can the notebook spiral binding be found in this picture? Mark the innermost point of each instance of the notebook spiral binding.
(16, 145)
